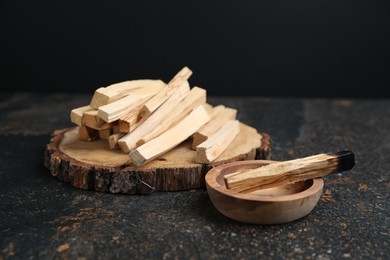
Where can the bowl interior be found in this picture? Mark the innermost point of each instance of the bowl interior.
(215, 179)
(287, 189)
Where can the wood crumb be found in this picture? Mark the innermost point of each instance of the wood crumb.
(343, 225)
(327, 197)
(63, 229)
(363, 186)
(292, 235)
(63, 247)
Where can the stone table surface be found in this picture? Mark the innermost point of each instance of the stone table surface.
(44, 218)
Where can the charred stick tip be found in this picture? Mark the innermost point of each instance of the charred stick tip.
(346, 160)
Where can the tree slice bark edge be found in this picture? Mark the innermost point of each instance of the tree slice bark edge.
(127, 179)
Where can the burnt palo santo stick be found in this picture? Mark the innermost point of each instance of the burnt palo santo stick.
(291, 171)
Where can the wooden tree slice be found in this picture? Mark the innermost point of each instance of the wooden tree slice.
(94, 166)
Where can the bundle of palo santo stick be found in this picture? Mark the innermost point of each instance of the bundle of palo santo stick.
(146, 118)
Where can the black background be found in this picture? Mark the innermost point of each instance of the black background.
(242, 48)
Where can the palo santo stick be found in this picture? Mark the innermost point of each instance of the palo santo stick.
(280, 173)
(196, 97)
(127, 125)
(88, 134)
(76, 114)
(216, 144)
(107, 95)
(171, 138)
(129, 141)
(219, 116)
(132, 121)
(123, 106)
(208, 107)
(105, 133)
(91, 119)
(115, 129)
(113, 140)
(150, 106)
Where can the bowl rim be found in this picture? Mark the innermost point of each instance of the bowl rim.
(211, 183)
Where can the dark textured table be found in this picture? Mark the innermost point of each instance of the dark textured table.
(44, 218)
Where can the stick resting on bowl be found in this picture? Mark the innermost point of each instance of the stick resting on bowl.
(280, 173)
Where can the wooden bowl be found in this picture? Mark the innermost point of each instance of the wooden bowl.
(276, 205)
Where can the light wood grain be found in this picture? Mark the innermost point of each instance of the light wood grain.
(105, 133)
(87, 134)
(220, 115)
(196, 97)
(170, 138)
(210, 149)
(129, 141)
(152, 104)
(125, 106)
(113, 140)
(128, 125)
(76, 114)
(106, 95)
(91, 119)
